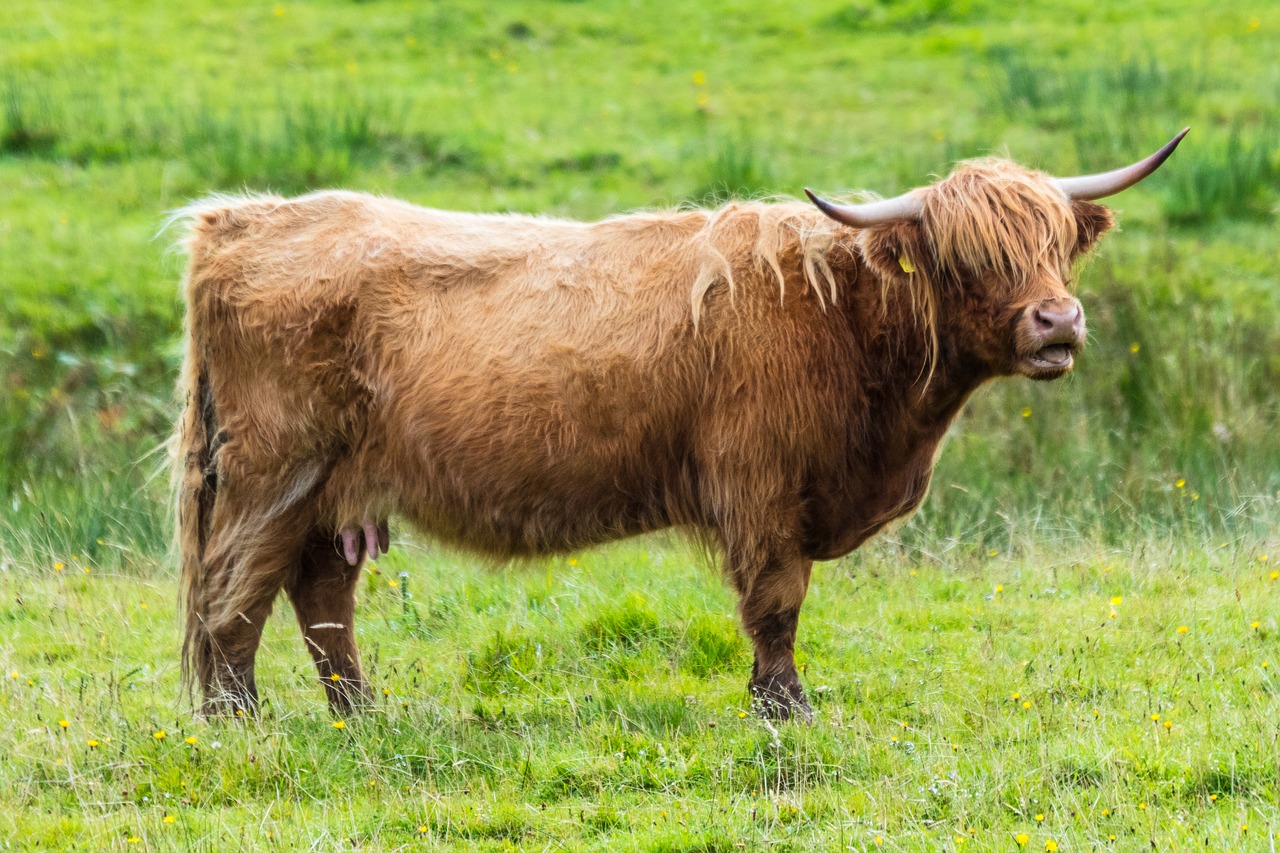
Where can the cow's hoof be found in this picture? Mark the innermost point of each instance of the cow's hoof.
(349, 698)
(230, 707)
(780, 699)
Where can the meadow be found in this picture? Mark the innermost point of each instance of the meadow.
(1072, 646)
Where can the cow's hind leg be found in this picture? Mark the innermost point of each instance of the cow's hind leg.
(243, 576)
(323, 596)
(772, 583)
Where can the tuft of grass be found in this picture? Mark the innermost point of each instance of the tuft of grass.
(737, 169)
(28, 124)
(626, 625)
(1235, 177)
(1066, 96)
(872, 15)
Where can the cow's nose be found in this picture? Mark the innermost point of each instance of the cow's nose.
(1059, 320)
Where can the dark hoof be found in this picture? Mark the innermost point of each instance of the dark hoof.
(349, 697)
(230, 706)
(780, 699)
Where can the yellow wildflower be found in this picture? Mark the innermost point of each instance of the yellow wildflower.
(1022, 838)
(158, 735)
(339, 724)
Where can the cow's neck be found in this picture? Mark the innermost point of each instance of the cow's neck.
(898, 418)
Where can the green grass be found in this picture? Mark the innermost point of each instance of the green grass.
(599, 704)
(596, 706)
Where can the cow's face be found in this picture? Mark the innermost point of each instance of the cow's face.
(994, 250)
(1016, 310)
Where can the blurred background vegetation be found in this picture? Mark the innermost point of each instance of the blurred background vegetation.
(113, 113)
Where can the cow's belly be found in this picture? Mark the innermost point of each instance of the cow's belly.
(509, 506)
(522, 468)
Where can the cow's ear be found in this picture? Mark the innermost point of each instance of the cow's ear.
(893, 251)
(1092, 221)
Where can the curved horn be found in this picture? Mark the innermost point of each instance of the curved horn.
(872, 213)
(1089, 187)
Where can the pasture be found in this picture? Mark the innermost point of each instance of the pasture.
(1073, 646)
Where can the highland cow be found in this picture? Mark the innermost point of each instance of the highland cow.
(774, 376)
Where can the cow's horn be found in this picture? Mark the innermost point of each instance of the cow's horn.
(1109, 183)
(872, 213)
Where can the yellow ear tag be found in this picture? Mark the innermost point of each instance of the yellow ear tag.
(905, 263)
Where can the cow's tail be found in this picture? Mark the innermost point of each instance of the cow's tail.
(194, 444)
(195, 483)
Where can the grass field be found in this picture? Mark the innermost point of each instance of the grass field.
(988, 676)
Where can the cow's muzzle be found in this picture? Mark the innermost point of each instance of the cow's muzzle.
(1050, 333)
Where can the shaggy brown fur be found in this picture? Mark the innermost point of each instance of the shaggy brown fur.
(519, 386)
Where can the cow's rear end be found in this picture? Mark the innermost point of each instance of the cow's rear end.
(269, 407)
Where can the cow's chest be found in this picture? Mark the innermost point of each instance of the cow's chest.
(847, 508)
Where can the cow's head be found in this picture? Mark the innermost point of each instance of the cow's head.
(995, 244)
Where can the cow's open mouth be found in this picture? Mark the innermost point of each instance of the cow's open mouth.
(1049, 362)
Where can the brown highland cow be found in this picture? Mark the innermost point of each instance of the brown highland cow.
(775, 376)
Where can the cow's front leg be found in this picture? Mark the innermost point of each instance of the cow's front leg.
(375, 537)
(771, 589)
